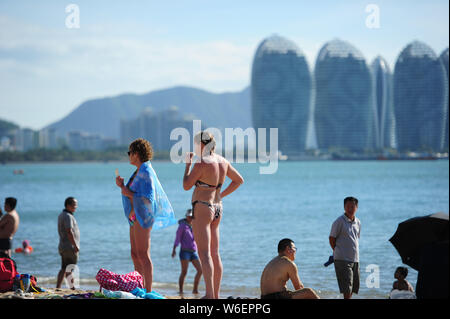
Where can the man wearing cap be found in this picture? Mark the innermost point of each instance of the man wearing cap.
(188, 250)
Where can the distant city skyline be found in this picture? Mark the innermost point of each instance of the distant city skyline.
(49, 69)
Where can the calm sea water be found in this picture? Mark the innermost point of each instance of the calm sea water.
(300, 201)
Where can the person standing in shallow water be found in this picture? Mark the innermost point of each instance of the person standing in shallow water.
(344, 240)
(208, 176)
(146, 206)
(188, 249)
(9, 223)
(69, 240)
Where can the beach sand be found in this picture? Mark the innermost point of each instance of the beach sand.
(67, 293)
(62, 293)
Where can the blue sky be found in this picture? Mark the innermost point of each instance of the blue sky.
(47, 69)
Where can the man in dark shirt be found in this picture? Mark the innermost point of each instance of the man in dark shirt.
(69, 239)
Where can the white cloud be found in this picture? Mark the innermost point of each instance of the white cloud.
(91, 63)
(96, 54)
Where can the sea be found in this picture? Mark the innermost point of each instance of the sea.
(299, 201)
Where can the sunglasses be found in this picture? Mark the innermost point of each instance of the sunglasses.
(129, 153)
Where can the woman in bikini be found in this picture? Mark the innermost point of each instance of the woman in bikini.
(208, 176)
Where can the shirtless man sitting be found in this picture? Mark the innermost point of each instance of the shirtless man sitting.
(9, 223)
(279, 270)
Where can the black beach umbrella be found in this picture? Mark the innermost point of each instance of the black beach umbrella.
(415, 234)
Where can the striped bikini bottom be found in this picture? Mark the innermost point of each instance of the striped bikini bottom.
(216, 208)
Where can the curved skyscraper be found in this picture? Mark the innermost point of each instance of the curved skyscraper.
(344, 107)
(281, 92)
(384, 120)
(420, 99)
(444, 59)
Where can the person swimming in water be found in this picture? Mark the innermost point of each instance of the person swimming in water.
(26, 248)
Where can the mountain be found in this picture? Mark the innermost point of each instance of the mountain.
(103, 115)
(6, 127)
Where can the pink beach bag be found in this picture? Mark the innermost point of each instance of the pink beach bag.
(112, 281)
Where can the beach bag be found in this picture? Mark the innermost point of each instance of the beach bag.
(7, 273)
(33, 284)
(112, 281)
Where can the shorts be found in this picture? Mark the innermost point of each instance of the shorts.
(68, 257)
(278, 295)
(5, 248)
(188, 255)
(5, 244)
(347, 274)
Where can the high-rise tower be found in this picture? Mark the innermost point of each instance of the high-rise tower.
(343, 104)
(384, 120)
(281, 92)
(420, 99)
(444, 59)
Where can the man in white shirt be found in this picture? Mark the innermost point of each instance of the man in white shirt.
(344, 240)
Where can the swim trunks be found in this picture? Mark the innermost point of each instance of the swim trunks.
(278, 295)
(5, 244)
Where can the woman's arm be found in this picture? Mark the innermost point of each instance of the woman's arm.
(236, 181)
(125, 190)
(190, 178)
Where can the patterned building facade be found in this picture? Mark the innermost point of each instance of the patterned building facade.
(420, 99)
(384, 119)
(343, 112)
(281, 92)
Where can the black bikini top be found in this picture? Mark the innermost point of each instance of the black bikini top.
(203, 184)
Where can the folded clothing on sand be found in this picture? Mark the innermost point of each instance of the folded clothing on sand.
(142, 293)
(119, 294)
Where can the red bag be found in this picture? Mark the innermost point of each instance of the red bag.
(112, 281)
(7, 273)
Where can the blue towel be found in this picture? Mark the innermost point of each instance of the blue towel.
(142, 293)
(150, 202)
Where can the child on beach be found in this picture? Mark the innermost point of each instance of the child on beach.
(401, 283)
(188, 251)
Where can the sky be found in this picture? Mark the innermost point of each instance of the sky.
(51, 62)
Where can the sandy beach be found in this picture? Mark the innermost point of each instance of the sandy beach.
(66, 293)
